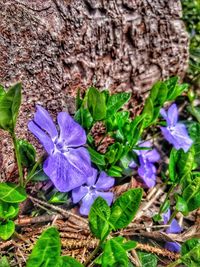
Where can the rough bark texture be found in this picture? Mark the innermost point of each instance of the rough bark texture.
(56, 46)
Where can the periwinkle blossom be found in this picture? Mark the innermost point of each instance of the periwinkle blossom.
(68, 162)
(95, 186)
(175, 133)
(173, 228)
(146, 169)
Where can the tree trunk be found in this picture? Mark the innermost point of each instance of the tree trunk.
(57, 46)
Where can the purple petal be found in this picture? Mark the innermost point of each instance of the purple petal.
(45, 122)
(108, 196)
(70, 131)
(174, 227)
(132, 164)
(147, 173)
(168, 135)
(64, 175)
(86, 204)
(104, 182)
(79, 159)
(78, 193)
(152, 155)
(182, 138)
(166, 216)
(172, 115)
(173, 246)
(91, 180)
(178, 137)
(42, 136)
(163, 113)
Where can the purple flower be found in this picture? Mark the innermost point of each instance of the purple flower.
(146, 170)
(94, 188)
(175, 133)
(68, 163)
(173, 228)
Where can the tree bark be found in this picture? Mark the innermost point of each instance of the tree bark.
(57, 46)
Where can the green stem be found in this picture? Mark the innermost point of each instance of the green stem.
(93, 253)
(19, 164)
(166, 198)
(32, 172)
(172, 216)
(175, 263)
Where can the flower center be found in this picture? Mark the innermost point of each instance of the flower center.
(60, 146)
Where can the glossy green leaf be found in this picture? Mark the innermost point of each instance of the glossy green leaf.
(127, 245)
(114, 171)
(96, 157)
(174, 89)
(181, 205)
(96, 102)
(67, 261)
(116, 101)
(4, 262)
(58, 198)
(191, 194)
(181, 165)
(98, 218)
(147, 259)
(125, 207)
(27, 153)
(9, 107)
(12, 193)
(7, 229)
(39, 175)
(194, 132)
(84, 118)
(2, 91)
(190, 252)
(137, 127)
(114, 254)
(47, 249)
(8, 210)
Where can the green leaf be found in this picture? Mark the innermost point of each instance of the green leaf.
(98, 218)
(195, 112)
(137, 127)
(8, 210)
(125, 207)
(127, 245)
(194, 132)
(2, 91)
(115, 171)
(58, 198)
(96, 103)
(67, 261)
(9, 107)
(191, 194)
(154, 102)
(116, 101)
(175, 89)
(181, 205)
(147, 259)
(96, 157)
(190, 252)
(46, 251)
(114, 254)
(12, 193)
(6, 229)
(4, 262)
(180, 165)
(27, 153)
(84, 118)
(39, 175)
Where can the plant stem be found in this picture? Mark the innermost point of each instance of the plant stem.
(19, 164)
(166, 198)
(94, 252)
(32, 172)
(175, 263)
(172, 216)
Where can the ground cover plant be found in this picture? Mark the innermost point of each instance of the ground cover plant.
(121, 191)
